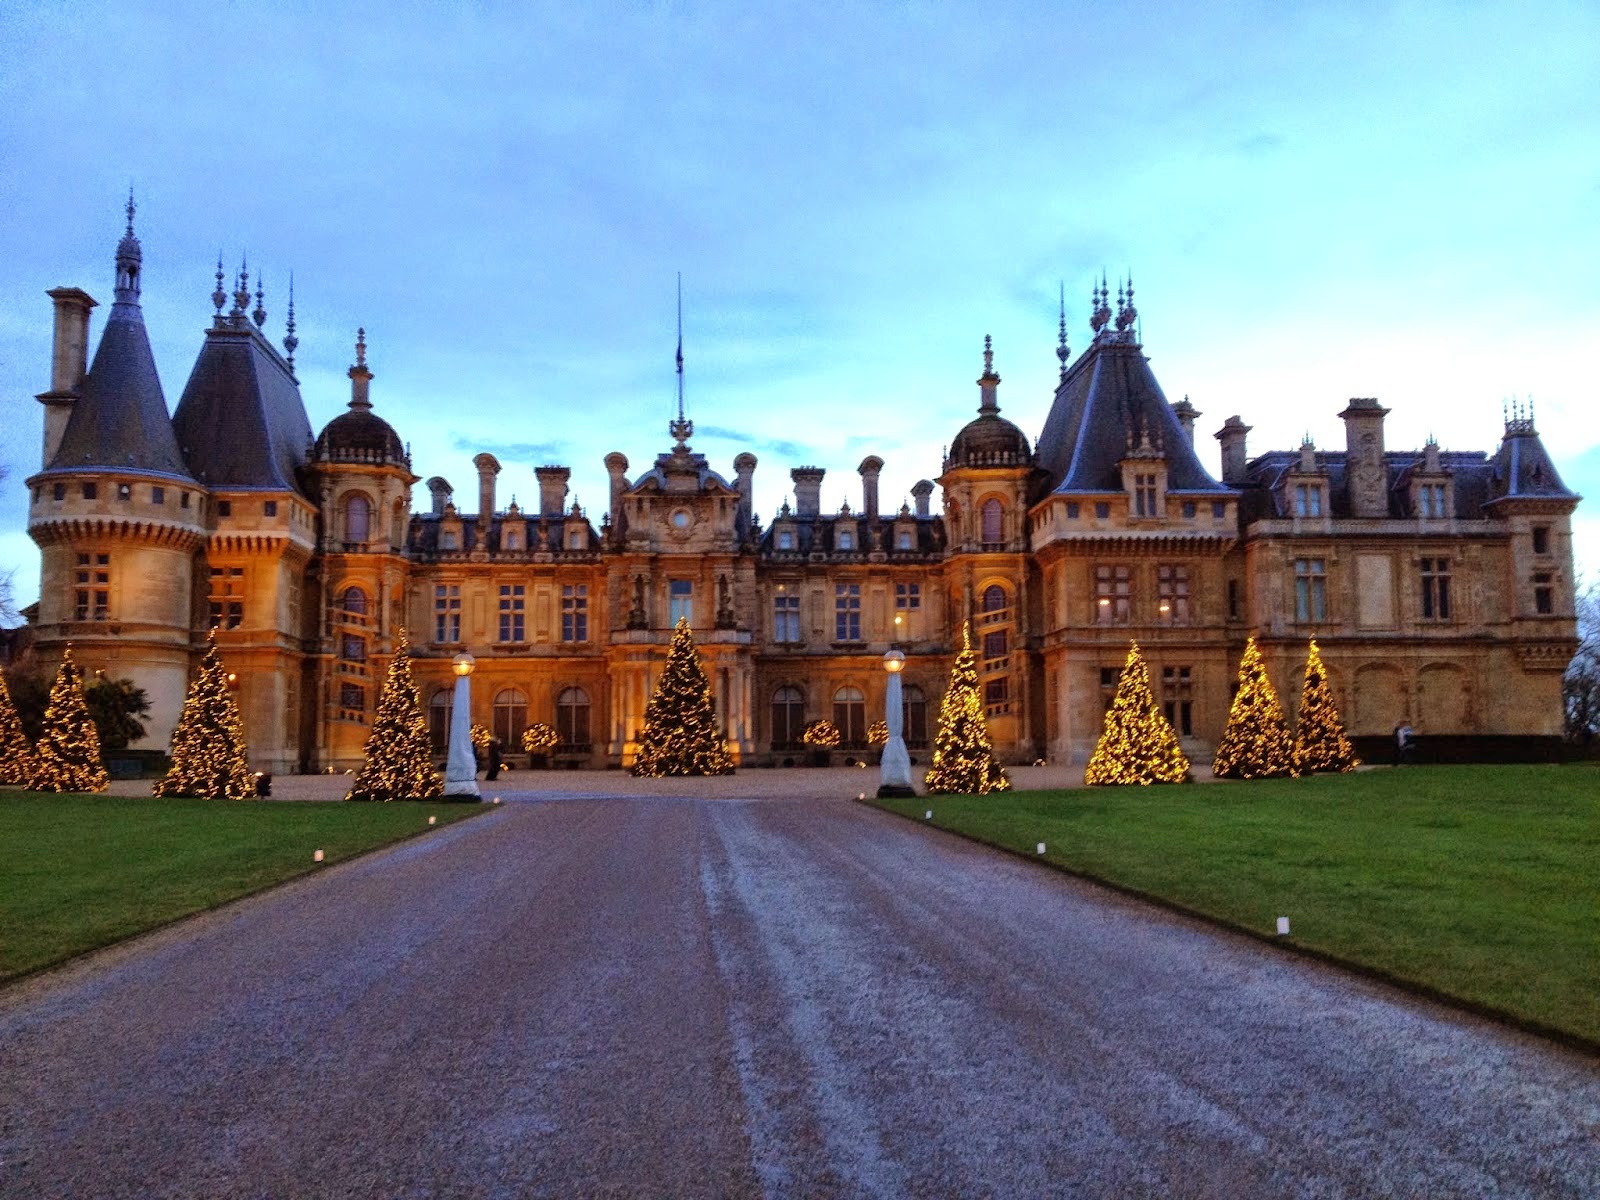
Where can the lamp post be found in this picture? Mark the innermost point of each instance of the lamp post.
(461, 770)
(894, 777)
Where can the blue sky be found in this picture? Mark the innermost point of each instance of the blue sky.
(1317, 202)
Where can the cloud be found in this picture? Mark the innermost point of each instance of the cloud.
(515, 452)
(1260, 145)
(782, 448)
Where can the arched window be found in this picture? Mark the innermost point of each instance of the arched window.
(994, 598)
(788, 718)
(354, 600)
(572, 719)
(439, 719)
(357, 519)
(993, 515)
(510, 716)
(850, 715)
(916, 715)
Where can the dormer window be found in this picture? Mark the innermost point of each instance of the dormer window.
(785, 540)
(447, 539)
(1308, 500)
(1144, 495)
(904, 540)
(847, 541)
(575, 540)
(1431, 501)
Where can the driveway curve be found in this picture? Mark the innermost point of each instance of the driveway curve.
(688, 997)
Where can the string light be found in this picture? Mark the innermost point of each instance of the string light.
(1320, 743)
(1137, 744)
(17, 764)
(67, 758)
(963, 757)
(399, 763)
(681, 735)
(209, 758)
(1257, 743)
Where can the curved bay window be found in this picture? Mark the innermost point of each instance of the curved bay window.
(850, 715)
(572, 720)
(510, 716)
(995, 620)
(357, 521)
(788, 718)
(351, 638)
(439, 706)
(915, 705)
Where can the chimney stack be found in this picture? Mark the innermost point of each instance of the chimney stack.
(870, 468)
(920, 491)
(69, 361)
(744, 467)
(553, 490)
(807, 490)
(1186, 414)
(1232, 435)
(617, 468)
(1366, 478)
(440, 490)
(488, 467)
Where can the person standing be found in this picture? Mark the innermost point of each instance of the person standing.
(494, 760)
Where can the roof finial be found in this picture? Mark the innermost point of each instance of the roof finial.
(260, 313)
(360, 376)
(361, 346)
(681, 429)
(130, 211)
(1100, 317)
(1062, 353)
(241, 287)
(988, 355)
(1133, 313)
(290, 342)
(129, 257)
(220, 296)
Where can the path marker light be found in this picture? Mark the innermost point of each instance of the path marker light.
(316, 856)
(433, 820)
(928, 816)
(1041, 848)
(1283, 926)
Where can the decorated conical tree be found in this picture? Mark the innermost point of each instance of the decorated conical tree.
(963, 758)
(681, 735)
(1320, 743)
(1137, 743)
(209, 758)
(16, 756)
(399, 762)
(67, 758)
(1257, 743)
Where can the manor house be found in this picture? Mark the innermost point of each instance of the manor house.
(1438, 584)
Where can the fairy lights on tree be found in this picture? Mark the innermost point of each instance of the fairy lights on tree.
(67, 758)
(16, 755)
(681, 735)
(209, 757)
(1137, 743)
(963, 757)
(399, 763)
(1257, 743)
(1320, 743)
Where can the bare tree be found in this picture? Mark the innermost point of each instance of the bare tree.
(1580, 686)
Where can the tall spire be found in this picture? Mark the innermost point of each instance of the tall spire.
(290, 342)
(220, 296)
(129, 260)
(241, 289)
(360, 376)
(681, 429)
(1100, 311)
(1062, 353)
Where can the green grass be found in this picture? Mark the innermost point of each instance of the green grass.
(80, 872)
(1480, 883)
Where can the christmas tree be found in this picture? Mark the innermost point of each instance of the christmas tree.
(1257, 743)
(1137, 744)
(16, 756)
(399, 762)
(208, 751)
(1319, 740)
(681, 735)
(963, 759)
(67, 758)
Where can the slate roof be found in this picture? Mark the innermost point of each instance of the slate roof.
(1108, 402)
(120, 418)
(240, 422)
(359, 434)
(819, 535)
(1523, 469)
(989, 440)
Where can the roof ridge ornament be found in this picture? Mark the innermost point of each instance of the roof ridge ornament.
(1099, 311)
(129, 257)
(259, 316)
(681, 429)
(290, 342)
(360, 375)
(220, 296)
(241, 290)
(1062, 353)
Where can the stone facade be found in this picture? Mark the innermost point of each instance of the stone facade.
(1439, 585)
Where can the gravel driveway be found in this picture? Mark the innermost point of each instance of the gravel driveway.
(682, 997)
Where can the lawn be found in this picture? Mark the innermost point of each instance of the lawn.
(1481, 883)
(79, 872)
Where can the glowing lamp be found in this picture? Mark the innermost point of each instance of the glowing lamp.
(894, 661)
(433, 820)
(316, 856)
(463, 663)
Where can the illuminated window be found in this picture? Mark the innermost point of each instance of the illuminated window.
(1113, 594)
(1172, 593)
